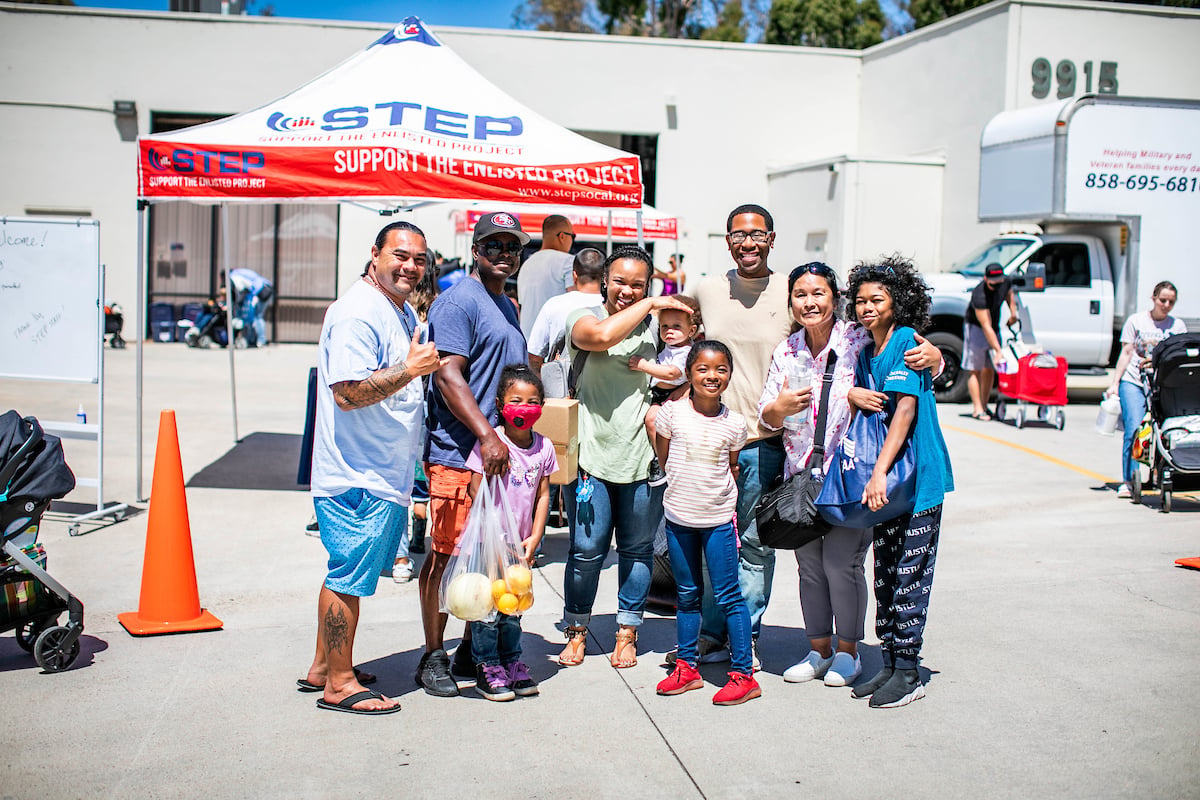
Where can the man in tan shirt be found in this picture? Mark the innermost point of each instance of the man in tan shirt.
(747, 309)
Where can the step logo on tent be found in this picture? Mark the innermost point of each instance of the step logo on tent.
(282, 122)
(410, 30)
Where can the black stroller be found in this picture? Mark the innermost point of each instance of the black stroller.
(32, 473)
(114, 322)
(1173, 391)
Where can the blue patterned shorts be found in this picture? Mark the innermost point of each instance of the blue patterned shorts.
(361, 534)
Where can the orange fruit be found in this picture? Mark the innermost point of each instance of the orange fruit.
(525, 603)
(520, 579)
(507, 603)
(499, 587)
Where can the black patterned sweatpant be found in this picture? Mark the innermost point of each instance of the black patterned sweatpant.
(905, 551)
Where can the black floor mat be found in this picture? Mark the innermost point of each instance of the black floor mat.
(259, 461)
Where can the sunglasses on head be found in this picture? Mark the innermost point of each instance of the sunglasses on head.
(492, 248)
(816, 268)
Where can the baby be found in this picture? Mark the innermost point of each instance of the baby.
(677, 330)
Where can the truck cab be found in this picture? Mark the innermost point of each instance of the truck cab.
(1070, 314)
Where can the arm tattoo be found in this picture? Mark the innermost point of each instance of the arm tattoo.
(337, 630)
(377, 386)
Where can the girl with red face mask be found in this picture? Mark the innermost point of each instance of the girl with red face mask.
(496, 646)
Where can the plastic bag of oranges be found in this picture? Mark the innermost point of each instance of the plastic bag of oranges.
(486, 573)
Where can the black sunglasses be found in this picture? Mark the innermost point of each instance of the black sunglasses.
(492, 248)
(816, 268)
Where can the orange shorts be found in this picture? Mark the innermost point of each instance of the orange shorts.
(449, 505)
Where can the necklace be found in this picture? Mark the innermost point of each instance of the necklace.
(403, 316)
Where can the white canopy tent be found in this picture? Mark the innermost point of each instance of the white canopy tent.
(403, 120)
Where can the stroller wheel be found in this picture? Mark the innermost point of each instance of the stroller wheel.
(27, 634)
(1166, 502)
(50, 653)
(117, 342)
(1001, 407)
(1135, 486)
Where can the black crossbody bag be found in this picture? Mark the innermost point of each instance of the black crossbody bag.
(787, 515)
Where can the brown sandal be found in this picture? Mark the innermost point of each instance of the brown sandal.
(626, 639)
(572, 655)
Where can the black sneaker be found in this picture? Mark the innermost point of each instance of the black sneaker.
(901, 689)
(520, 680)
(313, 528)
(463, 664)
(492, 683)
(433, 675)
(657, 477)
(416, 540)
(870, 687)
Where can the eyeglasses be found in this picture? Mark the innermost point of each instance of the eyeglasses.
(816, 268)
(758, 237)
(493, 248)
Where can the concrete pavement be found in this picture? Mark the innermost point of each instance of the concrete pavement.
(1062, 645)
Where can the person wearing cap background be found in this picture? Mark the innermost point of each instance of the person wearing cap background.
(478, 333)
(981, 334)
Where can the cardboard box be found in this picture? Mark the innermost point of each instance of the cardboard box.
(568, 463)
(559, 421)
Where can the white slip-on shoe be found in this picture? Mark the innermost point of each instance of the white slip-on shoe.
(811, 668)
(844, 670)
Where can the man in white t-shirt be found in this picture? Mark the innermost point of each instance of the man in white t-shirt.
(549, 331)
(370, 408)
(547, 273)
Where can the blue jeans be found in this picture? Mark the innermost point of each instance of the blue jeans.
(630, 510)
(719, 550)
(497, 642)
(760, 464)
(1133, 410)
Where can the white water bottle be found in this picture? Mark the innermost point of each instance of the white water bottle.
(81, 415)
(1110, 413)
(799, 375)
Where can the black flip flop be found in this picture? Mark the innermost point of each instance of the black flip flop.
(347, 705)
(306, 686)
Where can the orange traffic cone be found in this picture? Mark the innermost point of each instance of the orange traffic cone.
(1190, 563)
(170, 601)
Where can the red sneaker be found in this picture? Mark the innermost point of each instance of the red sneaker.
(682, 679)
(739, 689)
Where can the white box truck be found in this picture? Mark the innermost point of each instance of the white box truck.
(1112, 186)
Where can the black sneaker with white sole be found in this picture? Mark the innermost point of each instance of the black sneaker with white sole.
(867, 689)
(656, 477)
(463, 664)
(901, 689)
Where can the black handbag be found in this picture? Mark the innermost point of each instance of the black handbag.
(787, 515)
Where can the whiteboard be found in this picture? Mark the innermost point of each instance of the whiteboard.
(51, 317)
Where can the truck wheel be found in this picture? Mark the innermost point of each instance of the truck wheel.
(951, 385)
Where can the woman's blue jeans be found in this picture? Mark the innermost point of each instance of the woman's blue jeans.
(631, 511)
(1133, 410)
(720, 552)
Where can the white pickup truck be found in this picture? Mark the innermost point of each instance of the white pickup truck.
(1113, 185)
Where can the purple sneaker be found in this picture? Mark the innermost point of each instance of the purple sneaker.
(520, 681)
(492, 683)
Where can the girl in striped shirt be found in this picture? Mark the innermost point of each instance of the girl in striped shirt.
(697, 440)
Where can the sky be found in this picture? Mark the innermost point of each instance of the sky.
(458, 13)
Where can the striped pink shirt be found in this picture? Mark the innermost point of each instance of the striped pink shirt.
(701, 492)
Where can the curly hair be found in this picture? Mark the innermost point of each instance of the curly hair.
(898, 275)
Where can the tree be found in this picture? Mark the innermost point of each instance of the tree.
(568, 16)
(854, 24)
(731, 24)
(927, 12)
